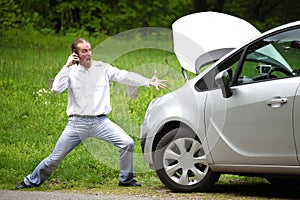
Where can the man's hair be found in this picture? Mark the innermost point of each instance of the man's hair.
(76, 42)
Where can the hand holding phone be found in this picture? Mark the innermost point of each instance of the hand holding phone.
(73, 59)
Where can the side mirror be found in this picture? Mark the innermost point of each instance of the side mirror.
(224, 80)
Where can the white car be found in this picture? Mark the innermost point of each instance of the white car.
(239, 115)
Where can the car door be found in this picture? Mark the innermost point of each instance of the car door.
(256, 124)
(248, 128)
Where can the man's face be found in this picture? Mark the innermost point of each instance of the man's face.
(85, 54)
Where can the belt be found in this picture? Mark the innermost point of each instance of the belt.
(88, 116)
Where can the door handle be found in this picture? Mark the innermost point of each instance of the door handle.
(276, 102)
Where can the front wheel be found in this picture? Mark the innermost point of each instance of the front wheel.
(181, 163)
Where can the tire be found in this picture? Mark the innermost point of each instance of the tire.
(180, 162)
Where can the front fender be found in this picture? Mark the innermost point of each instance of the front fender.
(184, 106)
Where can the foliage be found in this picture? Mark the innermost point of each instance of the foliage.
(264, 14)
(95, 17)
(111, 17)
(10, 15)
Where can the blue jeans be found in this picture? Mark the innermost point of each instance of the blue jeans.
(76, 131)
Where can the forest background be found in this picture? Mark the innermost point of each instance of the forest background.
(110, 17)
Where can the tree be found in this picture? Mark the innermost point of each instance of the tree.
(10, 15)
(113, 16)
(205, 5)
(265, 14)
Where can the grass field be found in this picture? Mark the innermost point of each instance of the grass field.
(32, 118)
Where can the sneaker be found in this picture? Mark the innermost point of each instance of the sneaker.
(22, 185)
(132, 183)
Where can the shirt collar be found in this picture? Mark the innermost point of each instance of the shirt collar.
(84, 69)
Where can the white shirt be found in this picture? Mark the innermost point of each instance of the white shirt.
(88, 88)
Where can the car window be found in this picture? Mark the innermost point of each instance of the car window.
(271, 58)
(274, 57)
(208, 81)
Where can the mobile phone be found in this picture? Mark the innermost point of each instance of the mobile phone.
(77, 62)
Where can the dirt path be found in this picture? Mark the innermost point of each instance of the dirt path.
(57, 195)
(232, 191)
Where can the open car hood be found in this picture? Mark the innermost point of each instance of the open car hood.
(203, 38)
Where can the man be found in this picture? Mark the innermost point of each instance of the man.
(87, 82)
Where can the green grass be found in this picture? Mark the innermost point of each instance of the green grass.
(32, 119)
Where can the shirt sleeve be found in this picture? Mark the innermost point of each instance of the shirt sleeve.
(128, 78)
(61, 80)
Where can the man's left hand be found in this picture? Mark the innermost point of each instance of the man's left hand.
(157, 82)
